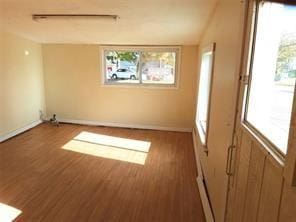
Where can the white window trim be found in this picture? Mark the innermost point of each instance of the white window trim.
(287, 162)
(273, 149)
(203, 135)
(177, 49)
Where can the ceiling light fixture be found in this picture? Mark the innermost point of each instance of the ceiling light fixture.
(38, 17)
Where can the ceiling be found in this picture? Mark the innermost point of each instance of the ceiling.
(142, 22)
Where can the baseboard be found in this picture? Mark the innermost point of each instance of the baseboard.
(201, 185)
(19, 131)
(205, 200)
(198, 164)
(123, 125)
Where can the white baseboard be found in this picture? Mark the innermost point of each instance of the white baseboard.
(198, 163)
(123, 125)
(205, 200)
(201, 185)
(19, 131)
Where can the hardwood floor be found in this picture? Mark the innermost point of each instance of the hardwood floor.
(49, 183)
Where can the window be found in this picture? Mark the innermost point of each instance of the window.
(205, 79)
(272, 74)
(140, 66)
(122, 66)
(158, 67)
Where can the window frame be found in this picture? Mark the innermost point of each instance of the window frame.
(203, 134)
(140, 49)
(247, 80)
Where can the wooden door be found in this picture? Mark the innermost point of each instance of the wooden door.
(261, 183)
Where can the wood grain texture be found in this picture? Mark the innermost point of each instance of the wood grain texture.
(232, 179)
(288, 202)
(241, 177)
(254, 183)
(271, 191)
(290, 163)
(260, 192)
(48, 183)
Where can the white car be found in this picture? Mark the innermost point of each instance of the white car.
(123, 74)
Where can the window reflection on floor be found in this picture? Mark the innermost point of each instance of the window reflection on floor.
(110, 147)
(8, 213)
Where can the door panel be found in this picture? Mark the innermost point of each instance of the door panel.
(254, 181)
(270, 196)
(288, 204)
(260, 191)
(242, 174)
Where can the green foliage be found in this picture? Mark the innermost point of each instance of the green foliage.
(122, 56)
(127, 56)
(277, 77)
(286, 54)
(163, 57)
(292, 74)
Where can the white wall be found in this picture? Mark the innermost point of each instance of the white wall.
(74, 90)
(21, 82)
(225, 29)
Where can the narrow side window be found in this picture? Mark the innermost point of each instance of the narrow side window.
(204, 91)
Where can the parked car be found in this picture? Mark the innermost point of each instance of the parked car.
(123, 74)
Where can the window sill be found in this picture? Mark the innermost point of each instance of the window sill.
(263, 143)
(202, 138)
(140, 86)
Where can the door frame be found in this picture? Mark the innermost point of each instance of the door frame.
(289, 162)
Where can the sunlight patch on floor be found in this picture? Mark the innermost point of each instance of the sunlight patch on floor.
(123, 143)
(128, 150)
(8, 213)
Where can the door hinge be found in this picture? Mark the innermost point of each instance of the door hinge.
(244, 79)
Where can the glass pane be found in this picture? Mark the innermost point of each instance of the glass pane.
(204, 90)
(158, 67)
(273, 73)
(122, 66)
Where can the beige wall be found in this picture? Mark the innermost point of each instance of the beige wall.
(74, 90)
(21, 82)
(225, 28)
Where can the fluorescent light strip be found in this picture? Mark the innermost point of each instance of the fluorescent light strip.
(38, 17)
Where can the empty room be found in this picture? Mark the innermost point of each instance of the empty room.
(147, 111)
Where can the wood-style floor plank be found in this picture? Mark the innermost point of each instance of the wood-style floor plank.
(48, 183)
